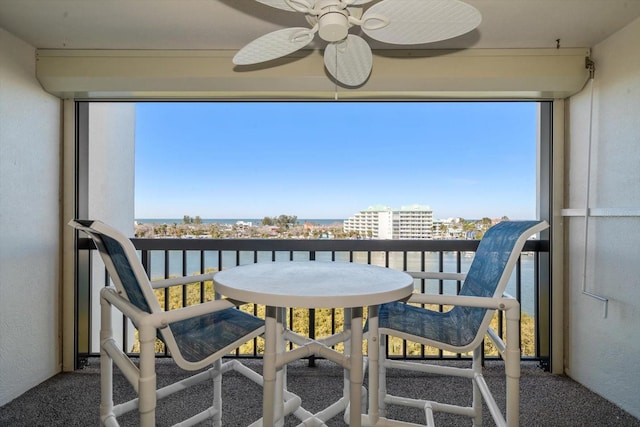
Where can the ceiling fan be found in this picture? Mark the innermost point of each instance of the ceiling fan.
(348, 57)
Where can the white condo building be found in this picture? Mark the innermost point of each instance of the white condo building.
(383, 222)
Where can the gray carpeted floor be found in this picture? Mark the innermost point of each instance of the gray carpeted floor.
(72, 399)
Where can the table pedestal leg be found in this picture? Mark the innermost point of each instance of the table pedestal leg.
(373, 366)
(356, 369)
(346, 394)
(281, 371)
(269, 369)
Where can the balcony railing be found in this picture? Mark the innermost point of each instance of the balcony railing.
(163, 258)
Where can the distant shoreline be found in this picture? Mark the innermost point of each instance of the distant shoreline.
(255, 221)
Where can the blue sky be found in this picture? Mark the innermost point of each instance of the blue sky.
(333, 159)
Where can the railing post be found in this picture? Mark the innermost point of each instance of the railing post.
(312, 320)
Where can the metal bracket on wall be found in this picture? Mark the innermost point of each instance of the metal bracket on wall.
(590, 65)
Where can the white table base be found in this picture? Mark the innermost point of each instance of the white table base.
(314, 285)
(278, 402)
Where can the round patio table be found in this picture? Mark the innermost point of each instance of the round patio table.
(313, 284)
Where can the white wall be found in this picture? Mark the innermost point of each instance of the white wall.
(111, 184)
(112, 163)
(604, 353)
(29, 223)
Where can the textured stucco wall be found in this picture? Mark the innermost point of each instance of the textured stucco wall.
(603, 353)
(29, 223)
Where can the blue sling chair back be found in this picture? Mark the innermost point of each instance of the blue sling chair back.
(459, 330)
(196, 336)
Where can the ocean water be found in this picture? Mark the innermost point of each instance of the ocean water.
(192, 266)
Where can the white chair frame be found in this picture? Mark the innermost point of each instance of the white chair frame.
(143, 377)
(509, 352)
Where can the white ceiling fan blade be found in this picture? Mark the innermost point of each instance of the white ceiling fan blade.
(349, 61)
(274, 45)
(419, 21)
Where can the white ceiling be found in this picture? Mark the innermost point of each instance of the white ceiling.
(230, 24)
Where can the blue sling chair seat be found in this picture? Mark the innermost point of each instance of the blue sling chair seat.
(196, 336)
(459, 330)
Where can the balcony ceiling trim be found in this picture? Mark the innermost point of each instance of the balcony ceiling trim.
(398, 74)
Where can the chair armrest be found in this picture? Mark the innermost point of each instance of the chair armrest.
(162, 319)
(499, 303)
(129, 310)
(184, 313)
(436, 275)
(167, 283)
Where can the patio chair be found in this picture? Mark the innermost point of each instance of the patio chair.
(196, 336)
(461, 329)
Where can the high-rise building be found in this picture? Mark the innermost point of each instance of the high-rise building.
(383, 222)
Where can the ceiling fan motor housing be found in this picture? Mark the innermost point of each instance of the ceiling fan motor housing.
(333, 24)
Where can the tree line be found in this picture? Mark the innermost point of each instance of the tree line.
(282, 221)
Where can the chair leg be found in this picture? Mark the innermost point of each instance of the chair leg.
(217, 393)
(106, 364)
(147, 381)
(477, 395)
(512, 366)
(382, 375)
